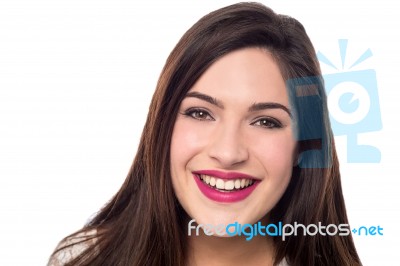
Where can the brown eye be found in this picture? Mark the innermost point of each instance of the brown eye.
(267, 123)
(198, 114)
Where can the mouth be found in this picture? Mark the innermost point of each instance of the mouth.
(225, 185)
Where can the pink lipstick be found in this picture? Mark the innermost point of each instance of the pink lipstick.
(225, 186)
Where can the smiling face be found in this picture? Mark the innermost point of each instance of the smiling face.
(232, 147)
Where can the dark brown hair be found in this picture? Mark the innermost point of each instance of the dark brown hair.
(143, 224)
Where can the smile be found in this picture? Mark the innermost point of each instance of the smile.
(225, 187)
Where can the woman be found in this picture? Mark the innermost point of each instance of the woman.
(226, 142)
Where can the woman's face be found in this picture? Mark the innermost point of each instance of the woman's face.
(232, 148)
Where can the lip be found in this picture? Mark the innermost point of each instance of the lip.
(224, 175)
(224, 197)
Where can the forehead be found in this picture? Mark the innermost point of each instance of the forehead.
(246, 74)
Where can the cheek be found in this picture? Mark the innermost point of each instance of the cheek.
(187, 142)
(184, 142)
(275, 152)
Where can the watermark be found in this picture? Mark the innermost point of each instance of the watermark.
(353, 102)
(249, 231)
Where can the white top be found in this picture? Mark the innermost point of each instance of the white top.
(68, 254)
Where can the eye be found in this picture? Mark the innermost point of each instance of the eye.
(199, 114)
(267, 122)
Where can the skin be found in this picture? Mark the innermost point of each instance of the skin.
(229, 135)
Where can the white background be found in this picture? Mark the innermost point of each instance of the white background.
(76, 78)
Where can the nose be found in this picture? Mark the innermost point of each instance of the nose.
(228, 147)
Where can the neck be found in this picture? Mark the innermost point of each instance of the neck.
(213, 250)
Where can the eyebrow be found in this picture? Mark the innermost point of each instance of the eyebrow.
(206, 98)
(269, 105)
(255, 107)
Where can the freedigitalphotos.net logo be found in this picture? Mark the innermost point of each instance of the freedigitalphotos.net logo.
(353, 103)
(249, 231)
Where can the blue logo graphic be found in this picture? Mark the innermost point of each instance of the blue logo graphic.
(353, 102)
(353, 105)
(307, 98)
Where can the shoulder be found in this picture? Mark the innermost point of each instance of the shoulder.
(283, 263)
(71, 247)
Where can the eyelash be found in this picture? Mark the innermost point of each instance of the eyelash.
(193, 111)
(266, 122)
(272, 123)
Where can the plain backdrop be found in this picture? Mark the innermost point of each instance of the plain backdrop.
(76, 80)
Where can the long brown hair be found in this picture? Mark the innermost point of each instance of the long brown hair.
(143, 224)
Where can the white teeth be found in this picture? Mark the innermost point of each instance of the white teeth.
(237, 183)
(220, 184)
(229, 185)
(226, 184)
(212, 181)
